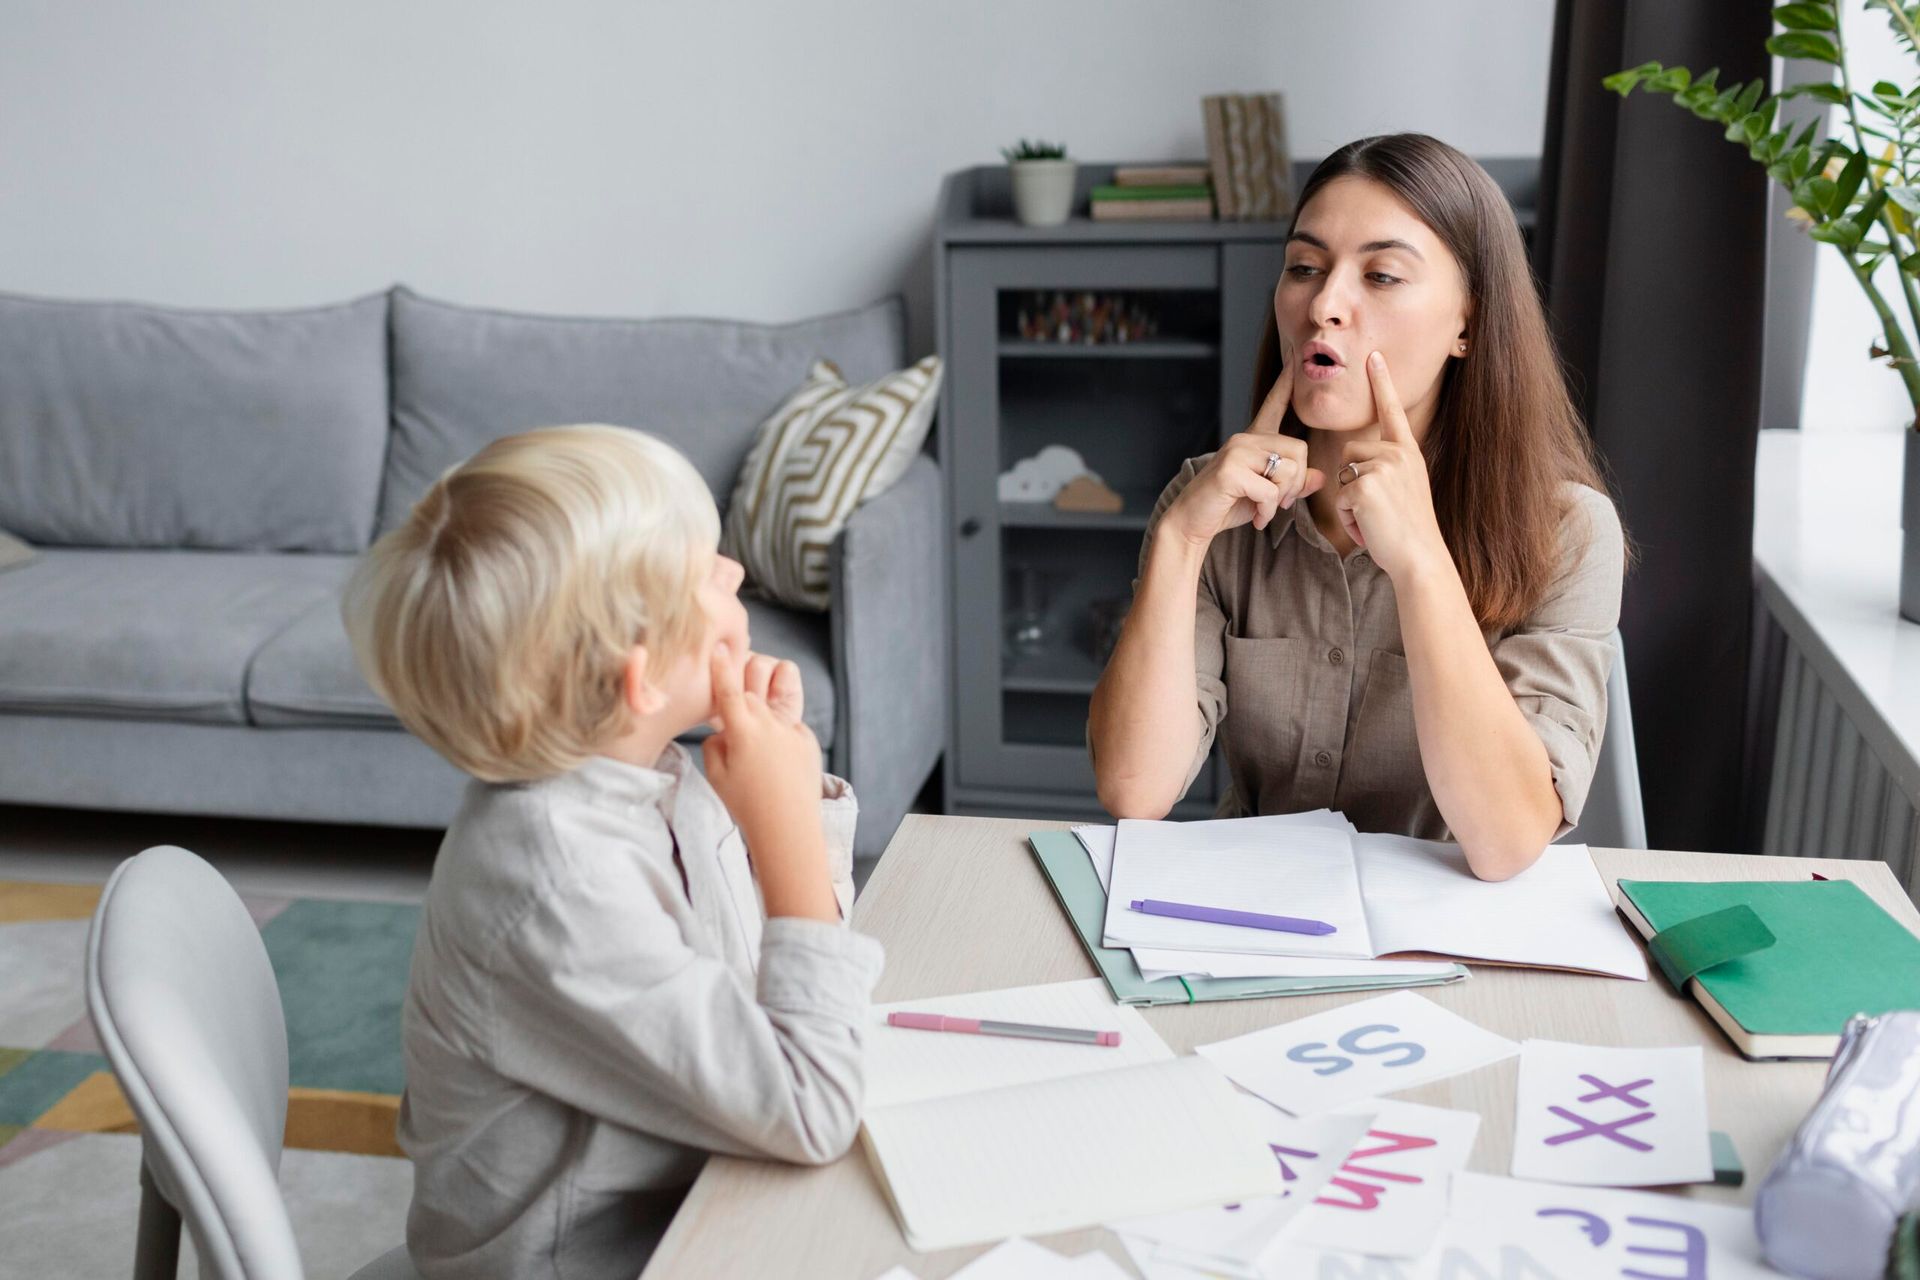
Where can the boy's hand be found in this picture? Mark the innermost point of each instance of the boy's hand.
(763, 762)
(777, 682)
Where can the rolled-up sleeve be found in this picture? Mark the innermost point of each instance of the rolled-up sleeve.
(839, 816)
(1557, 662)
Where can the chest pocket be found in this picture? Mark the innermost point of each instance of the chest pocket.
(1383, 755)
(1266, 710)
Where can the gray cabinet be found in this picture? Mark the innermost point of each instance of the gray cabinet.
(1029, 582)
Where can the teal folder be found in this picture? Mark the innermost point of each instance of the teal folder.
(1068, 870)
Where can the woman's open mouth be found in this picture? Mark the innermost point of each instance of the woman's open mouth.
(1319, 362)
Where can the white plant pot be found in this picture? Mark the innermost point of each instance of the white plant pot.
(1043, 191)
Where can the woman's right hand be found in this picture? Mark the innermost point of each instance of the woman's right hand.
(1237, 485)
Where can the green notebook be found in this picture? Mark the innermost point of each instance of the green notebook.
(1068, 870)
(1782, 985)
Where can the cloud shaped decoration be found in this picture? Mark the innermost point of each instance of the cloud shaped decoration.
(1039, 478)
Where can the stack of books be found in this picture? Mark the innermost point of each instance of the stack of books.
(1152, 193)
(1247, 154)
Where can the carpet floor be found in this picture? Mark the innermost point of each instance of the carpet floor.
(69, 1145)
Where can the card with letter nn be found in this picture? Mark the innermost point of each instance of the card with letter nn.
(1779, 964)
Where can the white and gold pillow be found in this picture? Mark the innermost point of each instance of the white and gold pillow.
(827, 449)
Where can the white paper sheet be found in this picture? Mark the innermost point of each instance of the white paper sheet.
(1422, 896)
(1359, 1050)
(1230, 1239)
(1098, 842)
(1508, 1227)
(1270, 865)
(1611, 1117)
(1060, 1154)
(1016, 1259)
(1389, 1197)
(905, 1065)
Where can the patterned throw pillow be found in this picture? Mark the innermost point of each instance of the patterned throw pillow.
(826, 450)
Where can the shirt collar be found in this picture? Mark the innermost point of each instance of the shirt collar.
(606, 780)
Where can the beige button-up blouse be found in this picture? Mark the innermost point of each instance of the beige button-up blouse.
(1301, 673)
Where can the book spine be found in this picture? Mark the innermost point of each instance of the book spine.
(1259, 171)
(1279, 164)
(1151, 210)
(1234, 121)
(1211, 116)
(1160, 176)
(1198, 192)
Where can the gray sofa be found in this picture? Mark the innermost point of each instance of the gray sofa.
(199, 484)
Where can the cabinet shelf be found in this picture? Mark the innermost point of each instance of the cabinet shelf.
(1150, 349)
(1132, 517)
(1063, 670)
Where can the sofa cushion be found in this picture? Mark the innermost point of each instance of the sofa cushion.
(463, 377)
(306, 674)
(148, 634)
(137, 426)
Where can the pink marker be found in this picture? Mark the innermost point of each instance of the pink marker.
(984, 1027)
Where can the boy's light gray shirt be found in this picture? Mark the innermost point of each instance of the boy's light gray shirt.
(596, 1002)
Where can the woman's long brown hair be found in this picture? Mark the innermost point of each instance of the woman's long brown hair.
(1505, 437)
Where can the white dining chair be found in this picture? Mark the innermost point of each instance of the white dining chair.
(183, 999)
(1614, 816)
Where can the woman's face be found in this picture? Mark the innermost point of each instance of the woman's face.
(1365, 274)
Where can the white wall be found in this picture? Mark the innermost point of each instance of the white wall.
(1845, 391)
(751, 159)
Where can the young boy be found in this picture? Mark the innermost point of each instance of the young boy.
(622, 965)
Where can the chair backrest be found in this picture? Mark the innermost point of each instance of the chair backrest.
(184, 1001)
(1614, 816)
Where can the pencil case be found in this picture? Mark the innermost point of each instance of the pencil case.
(1829, 1205)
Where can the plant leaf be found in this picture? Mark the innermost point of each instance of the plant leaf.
(1805, 17)
(1846, 185)
(1804, 44)
(1907, 198)
(1672, 80)
(1830, 93)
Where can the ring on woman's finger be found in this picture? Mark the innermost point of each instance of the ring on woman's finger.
(1349, 473)
(1273, 460)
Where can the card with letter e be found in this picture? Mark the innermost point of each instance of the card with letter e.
(1511, 1227)
(1609, 1117)
(1359, 1050)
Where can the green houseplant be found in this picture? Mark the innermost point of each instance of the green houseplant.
(1042, 182)
(1858, 191)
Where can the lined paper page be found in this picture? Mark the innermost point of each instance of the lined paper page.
(1421, 896)
(1272, 865)
(907, 1066)
(1067, 1153)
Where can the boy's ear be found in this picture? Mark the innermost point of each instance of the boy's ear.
(642, 696)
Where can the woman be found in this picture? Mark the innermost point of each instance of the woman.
(1395, 591)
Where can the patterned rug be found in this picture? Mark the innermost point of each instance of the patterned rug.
(69, 1150)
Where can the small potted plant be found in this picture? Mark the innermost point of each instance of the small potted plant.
(1858, 191)
(1042, 182)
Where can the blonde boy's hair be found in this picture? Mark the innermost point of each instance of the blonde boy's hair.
(498, 619)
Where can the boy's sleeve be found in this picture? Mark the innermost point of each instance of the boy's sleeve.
(599, 1002)
(839, 815)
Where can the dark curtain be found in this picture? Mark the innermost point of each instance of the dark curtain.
(1651, 247)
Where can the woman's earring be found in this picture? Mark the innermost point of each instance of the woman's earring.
(1463, 348)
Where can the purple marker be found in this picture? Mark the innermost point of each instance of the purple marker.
(1223, 915)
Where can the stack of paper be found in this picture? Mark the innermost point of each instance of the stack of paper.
(1379, 895)
(978, 1138)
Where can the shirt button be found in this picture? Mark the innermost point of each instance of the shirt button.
(1336, 657)
(1323, 758)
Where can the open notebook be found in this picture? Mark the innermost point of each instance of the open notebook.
(1384, 895)
(977, 1138)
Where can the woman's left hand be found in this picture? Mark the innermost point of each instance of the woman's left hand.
(1388, 506)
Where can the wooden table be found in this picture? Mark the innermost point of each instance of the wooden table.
(961, 905)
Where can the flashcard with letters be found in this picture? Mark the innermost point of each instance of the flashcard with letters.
(1390, 1196)
(1508, 1227)
(1359, 1050)
(1609, 1117)
(1229, 1239)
